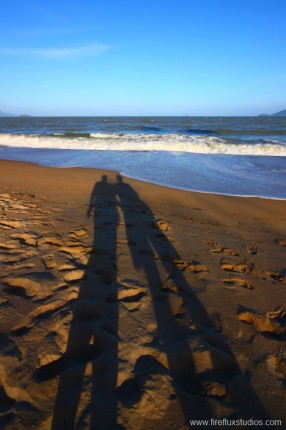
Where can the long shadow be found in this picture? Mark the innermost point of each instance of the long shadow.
(203, 369)
(90, 362)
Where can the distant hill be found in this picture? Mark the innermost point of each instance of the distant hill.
(11, 114)
(281, 113)
(5, 114)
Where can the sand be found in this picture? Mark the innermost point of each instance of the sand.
(125, 305)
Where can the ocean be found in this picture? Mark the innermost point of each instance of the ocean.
(240, 156)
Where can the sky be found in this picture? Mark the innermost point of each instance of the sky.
(144, 57)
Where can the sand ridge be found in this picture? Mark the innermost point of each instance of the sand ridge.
(117, 312)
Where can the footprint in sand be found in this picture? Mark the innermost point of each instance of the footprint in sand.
(76, 251)
(26, 238)
(277, 276)
(252, 250)
(79, 233)
(231, 252)
(148, 389)
(130, 294)
(179, 263)
(74, 276)
(53, 241)
(214, 389)
(11, 224)
(131, 283)
(22, 286)
(28, 288)
(22, 266)
(35, 316)
(44, 359)
(273, 322)
(241, 268)
(15, 256)
(169, 286)
(59, 286)
(6, 402)
(218, 249)
(9, 395)
(161, 225)
(211, 243)
(8, 246)
(277, 366)
(281, 242)
(196, 267)
(176, 304)
(66, 267)
(232, 283)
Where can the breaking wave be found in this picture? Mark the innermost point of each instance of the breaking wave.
(147, 142)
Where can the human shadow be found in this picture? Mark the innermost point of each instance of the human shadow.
(203, 369)
(89, 364)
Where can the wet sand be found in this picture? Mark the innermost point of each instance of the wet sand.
(126, 305)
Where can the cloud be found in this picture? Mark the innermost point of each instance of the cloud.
(57, 54)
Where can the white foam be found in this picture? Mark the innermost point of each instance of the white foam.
(146, 142)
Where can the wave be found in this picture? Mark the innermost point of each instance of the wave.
(201, 132)
(250, 132)
(145, 128)
(71, 134)
(146, 142)
(235, 132)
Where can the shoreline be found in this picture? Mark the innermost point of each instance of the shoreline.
(234, 175)
(148, 305)
(155, 184)
(90, 174)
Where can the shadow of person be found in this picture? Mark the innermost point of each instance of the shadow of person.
(88, 369)
(202, 367)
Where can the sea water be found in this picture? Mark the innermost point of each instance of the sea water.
(224, 155)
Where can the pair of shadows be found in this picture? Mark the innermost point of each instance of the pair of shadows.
(91, 358)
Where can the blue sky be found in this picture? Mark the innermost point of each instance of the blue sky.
(144, 57)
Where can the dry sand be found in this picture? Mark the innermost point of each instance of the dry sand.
(143, 310)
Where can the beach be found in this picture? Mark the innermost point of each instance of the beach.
(128, 305)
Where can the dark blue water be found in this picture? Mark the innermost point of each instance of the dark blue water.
(201, 126)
